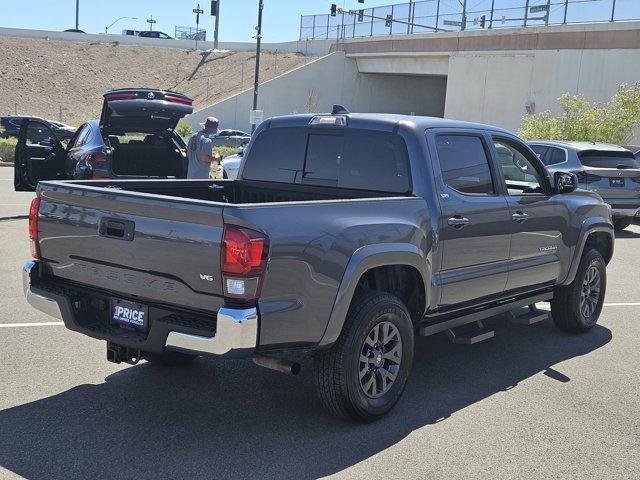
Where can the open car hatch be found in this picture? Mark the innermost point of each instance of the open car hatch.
(143, 109)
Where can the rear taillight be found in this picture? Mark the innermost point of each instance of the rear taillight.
(243, 260)
(121, 96)
(34, 239)
(96, 157)
(176, 99)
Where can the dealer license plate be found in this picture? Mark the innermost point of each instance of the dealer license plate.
(130, 315)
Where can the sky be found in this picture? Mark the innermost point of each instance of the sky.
(281, 18)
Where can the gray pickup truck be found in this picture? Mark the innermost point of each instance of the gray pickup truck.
(343, 237)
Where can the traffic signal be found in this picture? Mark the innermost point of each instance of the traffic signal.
(214, 8)
(483, 20)
(334, 9)
(360, 15)
(388, 21)
(360, 1)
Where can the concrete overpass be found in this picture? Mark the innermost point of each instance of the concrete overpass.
(486, 76)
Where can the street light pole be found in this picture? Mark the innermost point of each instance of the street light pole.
(215, 31)
(77, 14)
(106, 29)
(257, 74)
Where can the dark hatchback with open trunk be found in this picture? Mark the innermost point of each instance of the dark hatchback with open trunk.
(134, 138)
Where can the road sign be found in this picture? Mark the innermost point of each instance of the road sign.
(150, 21)
(256, 116)
(538, 8)
(452, 23)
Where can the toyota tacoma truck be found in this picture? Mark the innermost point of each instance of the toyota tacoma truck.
(343, 237)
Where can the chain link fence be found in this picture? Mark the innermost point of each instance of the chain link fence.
(427, 16)
(190, 33)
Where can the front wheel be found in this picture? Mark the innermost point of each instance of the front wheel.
(363, 375)
(577, 306)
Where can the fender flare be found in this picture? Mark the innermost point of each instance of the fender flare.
(589, 226)
(362, 260)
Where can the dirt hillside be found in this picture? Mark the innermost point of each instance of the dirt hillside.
(65, 80)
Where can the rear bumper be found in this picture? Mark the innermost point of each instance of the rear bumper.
(231, 333)
(623, 207)
(624, 212)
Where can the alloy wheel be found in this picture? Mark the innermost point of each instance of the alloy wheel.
(380, 359)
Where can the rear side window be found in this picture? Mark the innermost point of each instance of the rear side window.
(604, 159)
(540, 151)
(350, 158)
(464, 164)
(554, 156)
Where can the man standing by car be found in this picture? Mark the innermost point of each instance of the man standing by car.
(200, 151)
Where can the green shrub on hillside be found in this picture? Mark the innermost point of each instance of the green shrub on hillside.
(7, 149)
(580, 119)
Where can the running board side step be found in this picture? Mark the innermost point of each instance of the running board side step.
(528, 315)
(452, 321)
(470, 334)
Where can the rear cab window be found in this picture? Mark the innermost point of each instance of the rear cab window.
(347, 158)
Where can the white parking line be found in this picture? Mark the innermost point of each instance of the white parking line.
(35, 324)
(621, 304)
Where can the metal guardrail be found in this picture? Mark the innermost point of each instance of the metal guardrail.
(426, 16)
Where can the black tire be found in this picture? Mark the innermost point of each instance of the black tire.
(169, 359)
(567, 306)
(621, 223)
(337, 370)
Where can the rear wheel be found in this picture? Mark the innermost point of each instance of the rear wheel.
(577, 306)
(363, 375)
(621, 223)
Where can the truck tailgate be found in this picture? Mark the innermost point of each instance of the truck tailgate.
(155, 248)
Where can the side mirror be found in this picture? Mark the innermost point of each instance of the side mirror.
(240, 151)
(564, 182)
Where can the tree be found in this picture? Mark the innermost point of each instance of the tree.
(580, 119)
(311, 105)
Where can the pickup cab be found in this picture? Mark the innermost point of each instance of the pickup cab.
(343, 237)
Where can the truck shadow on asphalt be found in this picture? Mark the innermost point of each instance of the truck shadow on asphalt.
(230, 419)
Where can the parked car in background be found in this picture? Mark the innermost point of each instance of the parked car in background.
(133, 33)
(154, 34)
(344, 237)
(231, 138)
(11, 127)
(231, 164)
(609, 170)
(134, 138)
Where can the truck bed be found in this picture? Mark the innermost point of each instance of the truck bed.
(235, 192)
(165, 251)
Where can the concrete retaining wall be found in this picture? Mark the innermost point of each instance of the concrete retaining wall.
(312, 48)
(320, 84)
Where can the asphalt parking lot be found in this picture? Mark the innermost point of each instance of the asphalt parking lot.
(530, 403)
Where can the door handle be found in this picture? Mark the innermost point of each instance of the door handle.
(457, 221)
(519, 217)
